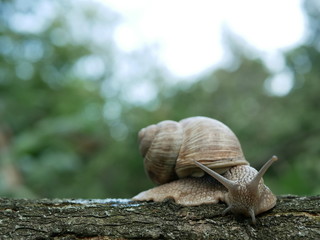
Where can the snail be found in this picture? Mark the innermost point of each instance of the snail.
(199, 160)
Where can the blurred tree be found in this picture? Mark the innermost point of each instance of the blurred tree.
(58, 61)
(242, 95)
(302, 104)
(71, 104)
(52, 67)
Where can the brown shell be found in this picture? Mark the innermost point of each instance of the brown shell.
(170, 148)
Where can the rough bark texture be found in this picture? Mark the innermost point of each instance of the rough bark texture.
(293, 218)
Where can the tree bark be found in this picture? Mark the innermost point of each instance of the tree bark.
(293, 217)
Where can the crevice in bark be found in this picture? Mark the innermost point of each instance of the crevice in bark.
(293, 217)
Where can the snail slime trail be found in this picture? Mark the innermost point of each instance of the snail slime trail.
(184, 157)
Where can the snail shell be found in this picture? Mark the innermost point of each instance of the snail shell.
(177, 154)
(170, 148)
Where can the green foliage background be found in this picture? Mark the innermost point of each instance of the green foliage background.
(70, 106)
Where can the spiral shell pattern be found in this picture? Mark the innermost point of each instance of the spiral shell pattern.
(170, 148)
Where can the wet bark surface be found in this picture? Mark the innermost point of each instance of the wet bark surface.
(294, 217)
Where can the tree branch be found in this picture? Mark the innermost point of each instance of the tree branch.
(293, 218)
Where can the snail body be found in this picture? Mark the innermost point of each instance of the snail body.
(199, 160)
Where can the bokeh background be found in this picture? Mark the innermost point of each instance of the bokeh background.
(72, 103)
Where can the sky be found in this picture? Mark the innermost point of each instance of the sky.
(189, 33)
